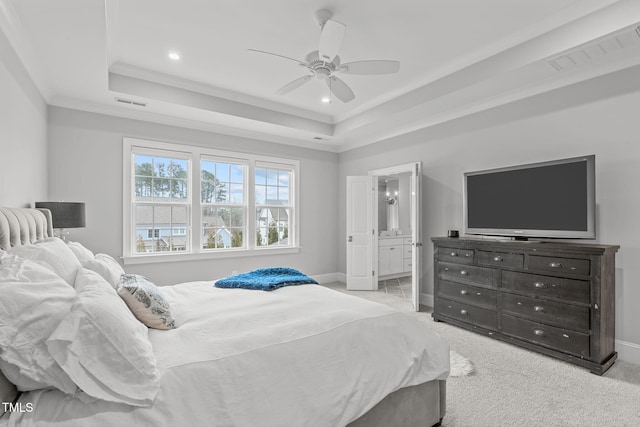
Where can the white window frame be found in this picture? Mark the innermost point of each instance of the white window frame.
(131, 146)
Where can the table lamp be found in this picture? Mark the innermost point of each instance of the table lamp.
(65, 215)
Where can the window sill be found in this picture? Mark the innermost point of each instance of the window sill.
(174, 257)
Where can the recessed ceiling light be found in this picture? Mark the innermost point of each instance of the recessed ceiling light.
(174, 56)
(326, 99)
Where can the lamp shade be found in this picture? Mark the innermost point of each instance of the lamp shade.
(65, 214)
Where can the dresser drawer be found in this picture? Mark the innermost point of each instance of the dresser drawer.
(455, 255)
(467, 274)
(501, 259)
(545, 311)
(560, 265)
(467, 313)
(548, 336)
(468, 294)
(548, 286)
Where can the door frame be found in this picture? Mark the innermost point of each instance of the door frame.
(416, 229)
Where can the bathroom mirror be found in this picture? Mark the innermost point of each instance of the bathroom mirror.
(393, 204)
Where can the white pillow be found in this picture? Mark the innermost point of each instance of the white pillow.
(33, 302)
(103, 347)
(52, 253)
(107, 267)
(83, 254)
(146, 301)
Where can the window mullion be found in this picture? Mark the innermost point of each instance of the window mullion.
(196, 203)
(251, 205)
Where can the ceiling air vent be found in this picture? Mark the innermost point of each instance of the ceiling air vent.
(597, 49)
(131, 102)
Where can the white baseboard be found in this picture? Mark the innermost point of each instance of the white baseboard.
(330, 278)
(628, 351)
(341, 277)
(426, 299)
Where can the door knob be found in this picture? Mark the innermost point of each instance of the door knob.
(350, 239)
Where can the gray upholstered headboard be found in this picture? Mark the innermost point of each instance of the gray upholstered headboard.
(20, 226)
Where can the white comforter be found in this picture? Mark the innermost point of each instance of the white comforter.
(300, 355)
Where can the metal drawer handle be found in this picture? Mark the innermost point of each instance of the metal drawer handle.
(392, 249)
(464, 272)
(538, 332)
(498, 259)
(538, 308)
(464, 312)
(464, 292)
(555, 265)
(539, 285)
(454, 253)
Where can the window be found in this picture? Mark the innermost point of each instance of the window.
(224, 206)
(272, 206)
(182, 201)
(161, 201)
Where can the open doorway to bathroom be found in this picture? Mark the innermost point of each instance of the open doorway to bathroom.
(364, 237)
(394, 234)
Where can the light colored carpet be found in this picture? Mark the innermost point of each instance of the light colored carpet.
(510, 386)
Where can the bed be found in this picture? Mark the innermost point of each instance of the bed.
(302, 355)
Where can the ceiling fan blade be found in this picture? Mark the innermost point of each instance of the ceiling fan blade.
(340, 89)
(293, 85)
(304, 64)
(370, 67)
(331, 39)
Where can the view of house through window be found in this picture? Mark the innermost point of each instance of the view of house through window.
(272, 206)
(223, 204)
(196, 200)
(161, 203)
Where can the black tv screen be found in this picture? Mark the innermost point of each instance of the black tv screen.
(551, 199)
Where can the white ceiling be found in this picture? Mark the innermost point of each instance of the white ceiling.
(456, 56)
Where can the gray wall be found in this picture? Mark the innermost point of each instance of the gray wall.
(527, 132)
(23, 126)
(85, 164)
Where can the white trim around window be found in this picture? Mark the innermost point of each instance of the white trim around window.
(256, 213)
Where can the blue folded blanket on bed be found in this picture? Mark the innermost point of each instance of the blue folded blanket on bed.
(266, 279)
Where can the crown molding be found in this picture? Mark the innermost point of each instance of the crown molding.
(170, 120)
(193, 86)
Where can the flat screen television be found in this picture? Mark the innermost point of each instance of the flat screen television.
(554, 199)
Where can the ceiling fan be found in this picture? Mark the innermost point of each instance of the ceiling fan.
(325, 62)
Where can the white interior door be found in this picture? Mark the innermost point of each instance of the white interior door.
(416, 235)
(360, 234)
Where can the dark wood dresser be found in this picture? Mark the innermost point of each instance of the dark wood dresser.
(554, 298)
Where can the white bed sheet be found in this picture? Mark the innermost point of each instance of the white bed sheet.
(300, 355)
